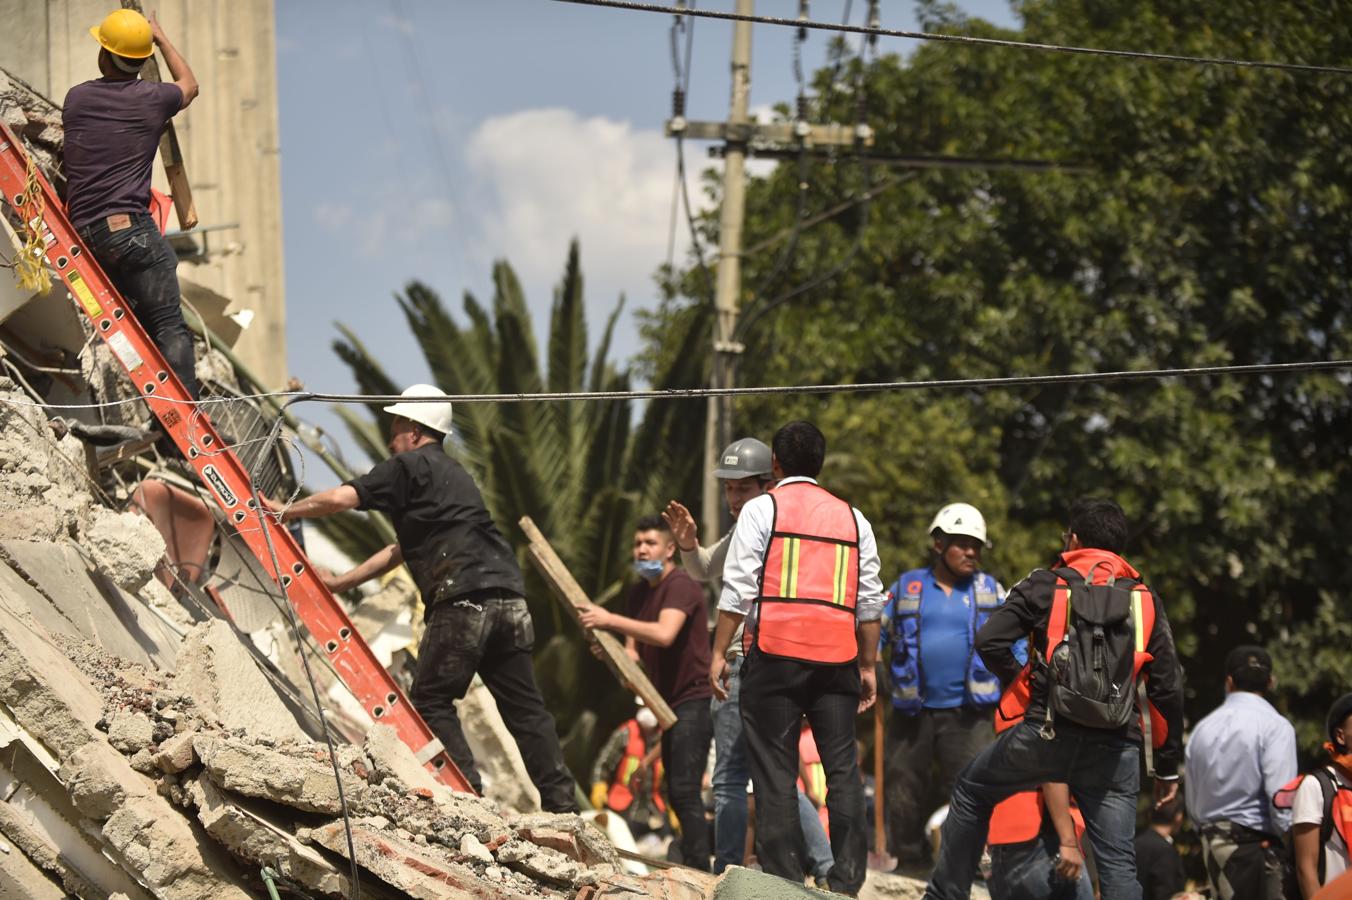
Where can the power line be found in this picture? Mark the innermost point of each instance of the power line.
(962, 38)
(1007, 381)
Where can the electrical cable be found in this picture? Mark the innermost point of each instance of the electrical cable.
(966, 39)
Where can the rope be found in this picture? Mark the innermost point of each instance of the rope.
(964, 39)
(1008, 381)
(29, 264)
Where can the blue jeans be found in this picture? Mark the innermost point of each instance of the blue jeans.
(1026, 872)
(141, 265)
(732, 773)
(1102, 771)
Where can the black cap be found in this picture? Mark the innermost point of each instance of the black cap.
(1338, 713)
(1249, 664)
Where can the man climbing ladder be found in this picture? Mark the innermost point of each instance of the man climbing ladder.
(113, 126)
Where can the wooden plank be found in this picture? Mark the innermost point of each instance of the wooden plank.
(170, 152)
(573, 598)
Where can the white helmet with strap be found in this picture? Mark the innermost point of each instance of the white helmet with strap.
(960, 518)
(436, 416)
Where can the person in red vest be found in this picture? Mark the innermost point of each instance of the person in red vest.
(1321, 808)
(624, 780)
(802, 571)
(1069, 726)
(1034, 843)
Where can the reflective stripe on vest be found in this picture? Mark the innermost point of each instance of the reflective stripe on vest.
(809, 578)
(1014, 701)
(620, 797)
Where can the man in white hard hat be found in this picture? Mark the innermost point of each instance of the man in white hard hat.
(471, 585)
(942, 694)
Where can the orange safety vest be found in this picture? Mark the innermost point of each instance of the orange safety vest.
(1340, 810)
(1018, 819)
(1014, 701)
(620, 797)
(809, 581)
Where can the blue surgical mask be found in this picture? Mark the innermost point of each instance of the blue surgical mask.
(649, 568)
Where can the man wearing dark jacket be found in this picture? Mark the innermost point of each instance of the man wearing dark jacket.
(1100, 765)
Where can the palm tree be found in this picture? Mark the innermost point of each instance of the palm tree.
(579, 468)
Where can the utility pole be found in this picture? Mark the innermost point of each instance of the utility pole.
(737, 134)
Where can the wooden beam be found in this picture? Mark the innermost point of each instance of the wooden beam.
(573, 598)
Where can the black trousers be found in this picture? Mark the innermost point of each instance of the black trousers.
(685, 756)
(493, 637)
(925, 752)
(776, 695)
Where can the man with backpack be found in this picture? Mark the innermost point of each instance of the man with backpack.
(1096, 633)
(1238, 757)
(1321, 808)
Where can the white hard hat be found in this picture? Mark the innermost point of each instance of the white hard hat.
(436, 416)
(647, 719)
(960, 518)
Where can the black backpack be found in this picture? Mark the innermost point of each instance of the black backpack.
(1283, 799)
(1091, 650)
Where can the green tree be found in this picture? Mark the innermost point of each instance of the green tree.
(1210, 225)
(581, 469)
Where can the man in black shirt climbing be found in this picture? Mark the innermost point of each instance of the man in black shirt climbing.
(471, 585)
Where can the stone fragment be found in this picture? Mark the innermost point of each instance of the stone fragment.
(570, 835)
(300, 776)
(176, 754)
(125, 546)
(160, 845)
(543, 864)
(90, 780)
(130, 731)
(216, 669)
(473, 849)
(392, 758)
(143, 761)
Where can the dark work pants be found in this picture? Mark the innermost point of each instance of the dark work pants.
(925, 753)
(776, 695)
(141, 265)
(685, 755)
(494, 637)
(1027, 871)
(1241, 864)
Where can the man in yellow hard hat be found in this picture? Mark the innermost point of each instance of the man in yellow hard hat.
(113, 126)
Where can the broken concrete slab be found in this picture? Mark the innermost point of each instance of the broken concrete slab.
(21, 877)
(130, 731)
(572, 836)
(215, 668)
(297, 775)
(126, 546)
(394, 760)
(251, 837)
(418, 870)
(543, 864)
(160, 845)
(176, 754)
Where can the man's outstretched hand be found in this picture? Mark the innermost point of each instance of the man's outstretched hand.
(593, 616)
(683, 527)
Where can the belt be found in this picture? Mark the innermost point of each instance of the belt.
(479, 596)
(1239, 834)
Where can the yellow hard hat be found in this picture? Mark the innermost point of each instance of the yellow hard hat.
(125, 32)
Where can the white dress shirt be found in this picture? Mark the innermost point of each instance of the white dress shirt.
(1237, 758)
(746, 555)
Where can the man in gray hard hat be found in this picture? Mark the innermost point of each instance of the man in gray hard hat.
(471, 585)
(744, 469)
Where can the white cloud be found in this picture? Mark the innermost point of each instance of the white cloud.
(552, 174)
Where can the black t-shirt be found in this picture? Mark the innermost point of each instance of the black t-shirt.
(679, 672)
(444, 530)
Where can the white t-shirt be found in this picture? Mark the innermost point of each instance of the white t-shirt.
(1308, 809)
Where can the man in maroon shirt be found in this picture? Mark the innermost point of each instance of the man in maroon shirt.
(112, 129)
(667, 630)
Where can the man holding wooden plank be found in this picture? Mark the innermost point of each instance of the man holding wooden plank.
(668, 631)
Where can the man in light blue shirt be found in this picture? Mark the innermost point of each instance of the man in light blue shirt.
(1237, 758)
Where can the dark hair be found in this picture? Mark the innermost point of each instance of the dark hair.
(1165, 814)
(1099, 523)
(653, 523)
(1250, 667)
(800, 448)
(1338, 713)
(424, 431)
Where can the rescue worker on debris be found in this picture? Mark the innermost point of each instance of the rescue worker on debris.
(1034, 844)
(476, 615)
(804, 565)
(1238, 756)
(744, 469)
(667, 629)
(942, 693)
(112, 130)
(625, 778)
(1321, 808)
(1079, 729)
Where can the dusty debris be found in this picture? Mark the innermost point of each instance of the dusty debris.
(216, 669)
(297, 775)
(125, 545)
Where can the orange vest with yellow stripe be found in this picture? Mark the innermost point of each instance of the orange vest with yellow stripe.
(1014, 701)
(809, 580)
(620, 796)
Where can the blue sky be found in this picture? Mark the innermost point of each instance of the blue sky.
(422, 139)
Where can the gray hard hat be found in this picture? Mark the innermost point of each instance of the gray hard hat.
(745, 458)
